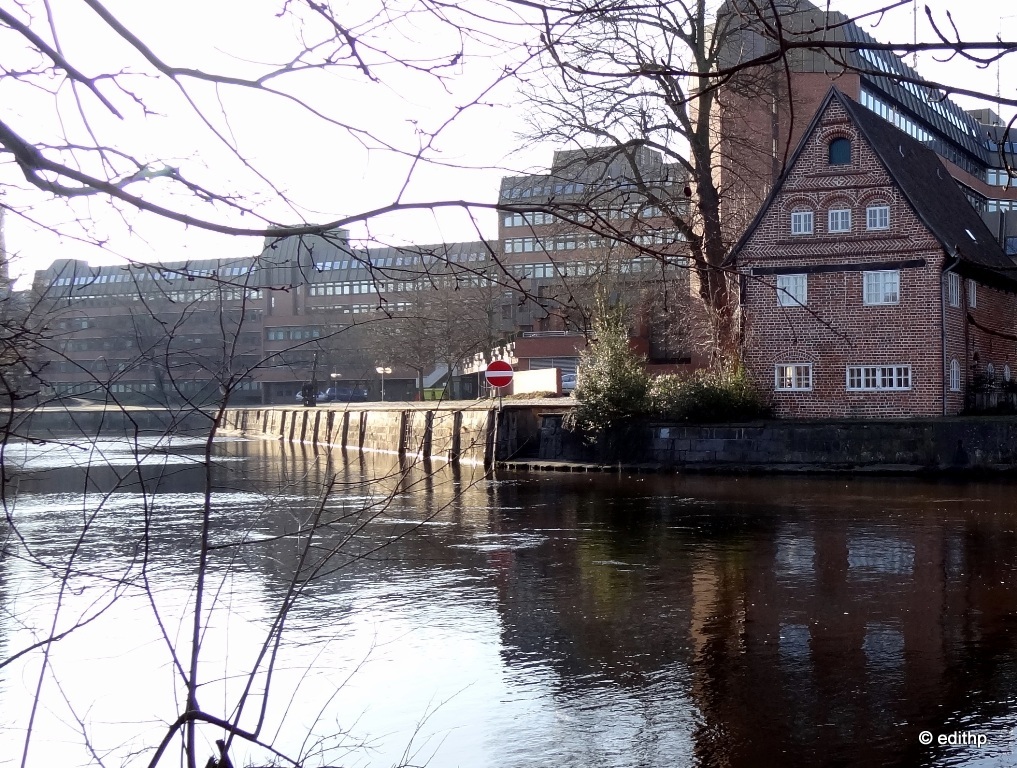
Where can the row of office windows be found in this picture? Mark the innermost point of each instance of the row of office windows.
(357, 287)
(188, 297)
(893, 116)
(623, 213)
(362, 309)
(588, 268)
(838, 220)
(798, 377)
(546, 190)
(999, 177)
(367, 260)
(291, 334)
(933, 98)
(388, 306)
(880, 286)
(994, 206)
(573, 242)
(140, 277)
(94, 387)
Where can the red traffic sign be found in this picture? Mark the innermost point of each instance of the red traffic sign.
(498, 373)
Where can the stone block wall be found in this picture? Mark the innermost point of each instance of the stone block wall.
(927, 444)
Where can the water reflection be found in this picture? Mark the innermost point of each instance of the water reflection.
(574, 620)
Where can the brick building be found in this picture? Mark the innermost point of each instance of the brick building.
(870, 286)
(762, 113)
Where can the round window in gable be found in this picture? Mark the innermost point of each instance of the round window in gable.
(840, 152)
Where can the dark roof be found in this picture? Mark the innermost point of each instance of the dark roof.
(926, 184)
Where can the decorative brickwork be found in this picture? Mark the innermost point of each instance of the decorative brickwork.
(892, 334)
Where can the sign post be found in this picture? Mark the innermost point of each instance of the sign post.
(499, 374)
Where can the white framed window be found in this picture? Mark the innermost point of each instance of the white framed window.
(881, 287)
(972, 293)
(954, 375)
(1006, 373)
(953, 285)
(877, 217)
(878, 378)
(838, 220)
(793, 377)
(801, 223)
(990, 372)
(792, 290)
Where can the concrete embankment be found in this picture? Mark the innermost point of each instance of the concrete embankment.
(455, 434)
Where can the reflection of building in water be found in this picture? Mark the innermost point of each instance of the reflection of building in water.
(800, 637)
(854, 629)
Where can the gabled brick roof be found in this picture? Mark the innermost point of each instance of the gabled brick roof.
(926, 184)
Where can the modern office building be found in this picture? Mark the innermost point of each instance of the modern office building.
(307, 308)
(597, 220)
(166, 333)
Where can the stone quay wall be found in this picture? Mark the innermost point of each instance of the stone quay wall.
(955, 444)
(977, 443)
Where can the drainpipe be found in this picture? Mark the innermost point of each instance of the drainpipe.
(942, 322)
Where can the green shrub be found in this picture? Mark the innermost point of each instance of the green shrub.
(612, 382)
(705, 396)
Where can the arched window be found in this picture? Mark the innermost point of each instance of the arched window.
(954, 375)
(1006, 373)
(990, 372)
(840, 152)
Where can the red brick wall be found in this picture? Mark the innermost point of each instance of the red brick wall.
(989, 332)
(836, 329)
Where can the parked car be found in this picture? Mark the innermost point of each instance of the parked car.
(568, 382)
(344, 394)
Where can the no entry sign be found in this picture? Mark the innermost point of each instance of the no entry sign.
(498, 373)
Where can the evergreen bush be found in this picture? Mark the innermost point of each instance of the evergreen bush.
(612, 382)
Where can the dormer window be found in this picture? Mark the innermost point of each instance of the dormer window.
(840, 152)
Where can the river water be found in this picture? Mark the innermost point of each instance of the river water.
(526, 620)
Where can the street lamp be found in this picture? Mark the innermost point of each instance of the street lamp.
(383, 369)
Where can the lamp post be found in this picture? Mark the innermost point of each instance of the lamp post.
(383, 369)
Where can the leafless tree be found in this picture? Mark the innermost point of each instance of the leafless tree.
(83, 90)
(677, 77)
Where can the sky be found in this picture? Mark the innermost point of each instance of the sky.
(333, 160)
